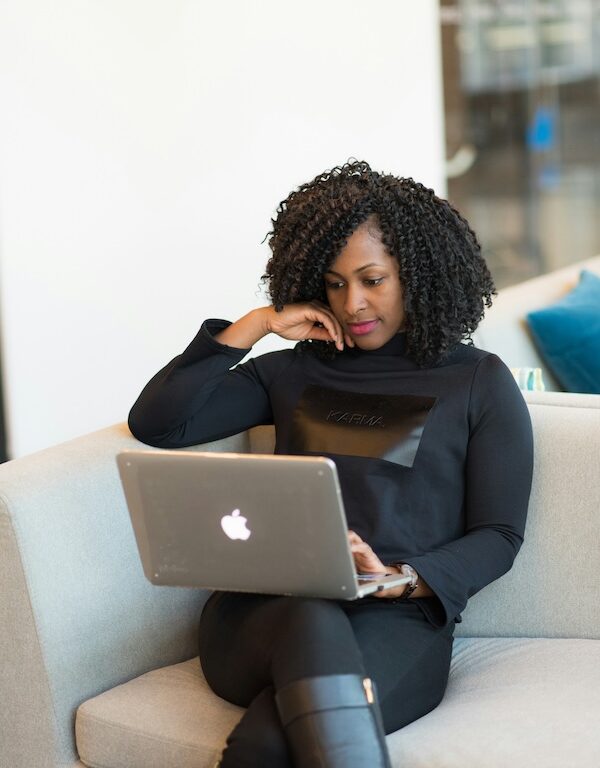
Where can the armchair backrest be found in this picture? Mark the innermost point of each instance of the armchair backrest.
(552, 589)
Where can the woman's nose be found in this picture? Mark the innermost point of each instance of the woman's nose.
(355, 301)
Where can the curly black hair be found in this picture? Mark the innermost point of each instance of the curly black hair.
(445, 280)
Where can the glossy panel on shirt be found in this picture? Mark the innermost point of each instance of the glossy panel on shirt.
(387, 427)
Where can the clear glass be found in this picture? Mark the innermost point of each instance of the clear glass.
(522, 105)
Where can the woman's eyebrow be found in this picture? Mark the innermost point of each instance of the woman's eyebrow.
(360, 269)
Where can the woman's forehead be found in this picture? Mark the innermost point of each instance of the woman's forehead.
(362, 249)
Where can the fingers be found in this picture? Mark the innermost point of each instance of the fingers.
(340, 331)
(365, 560)
(362, 549)
(358, 546)
(311, 320)
(347, 339)
(331, 325)
(326, 333)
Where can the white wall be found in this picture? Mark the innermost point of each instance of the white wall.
(144, 147)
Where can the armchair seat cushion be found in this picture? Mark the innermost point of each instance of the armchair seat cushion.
(167, 718)
(518, 701)
(512, 702)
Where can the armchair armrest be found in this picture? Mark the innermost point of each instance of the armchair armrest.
(78, 613)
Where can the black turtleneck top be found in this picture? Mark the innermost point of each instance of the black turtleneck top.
(434, 463)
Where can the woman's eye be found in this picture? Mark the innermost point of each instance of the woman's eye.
(374, 281)
(333, 286)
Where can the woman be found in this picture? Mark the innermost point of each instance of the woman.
(379, 281)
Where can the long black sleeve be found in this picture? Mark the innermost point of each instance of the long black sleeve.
(196, 398)
(498, 471)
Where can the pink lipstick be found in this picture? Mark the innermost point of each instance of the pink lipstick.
(359, 329)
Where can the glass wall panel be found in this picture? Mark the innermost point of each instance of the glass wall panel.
(522, 103)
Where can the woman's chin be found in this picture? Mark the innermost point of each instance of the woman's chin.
(374, 340)
(368, 342)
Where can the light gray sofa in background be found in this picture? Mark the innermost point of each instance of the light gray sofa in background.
(98, 667)
(504, 329)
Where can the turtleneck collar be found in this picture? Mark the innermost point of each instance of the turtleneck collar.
(395, 346)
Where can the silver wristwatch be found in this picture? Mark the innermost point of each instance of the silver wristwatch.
(408, 570)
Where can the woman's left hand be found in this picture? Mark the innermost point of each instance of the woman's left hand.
(365, 560)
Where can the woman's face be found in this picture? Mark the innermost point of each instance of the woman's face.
(364, 290)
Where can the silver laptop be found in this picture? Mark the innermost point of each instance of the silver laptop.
(243, 522)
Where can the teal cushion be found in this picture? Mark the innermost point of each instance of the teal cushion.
(567, 335)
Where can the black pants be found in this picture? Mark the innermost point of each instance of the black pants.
(252, 645)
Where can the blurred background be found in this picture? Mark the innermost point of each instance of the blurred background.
(145, 145)
(522, 128)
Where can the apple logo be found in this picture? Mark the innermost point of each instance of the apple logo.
(234, 525)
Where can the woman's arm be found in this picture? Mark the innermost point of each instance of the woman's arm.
(200, 396)
(498, 472)
(196, 397)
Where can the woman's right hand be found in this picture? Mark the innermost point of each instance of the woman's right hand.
(306, 320)
(295, 322)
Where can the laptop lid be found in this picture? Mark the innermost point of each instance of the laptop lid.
(242, 522)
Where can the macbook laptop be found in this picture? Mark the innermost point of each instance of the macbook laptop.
(243, 522)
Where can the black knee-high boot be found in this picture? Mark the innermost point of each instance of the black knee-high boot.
(333, 721)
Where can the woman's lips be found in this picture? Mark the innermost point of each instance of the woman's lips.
(359, 329)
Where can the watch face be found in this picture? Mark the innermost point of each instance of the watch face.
(408, 570)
